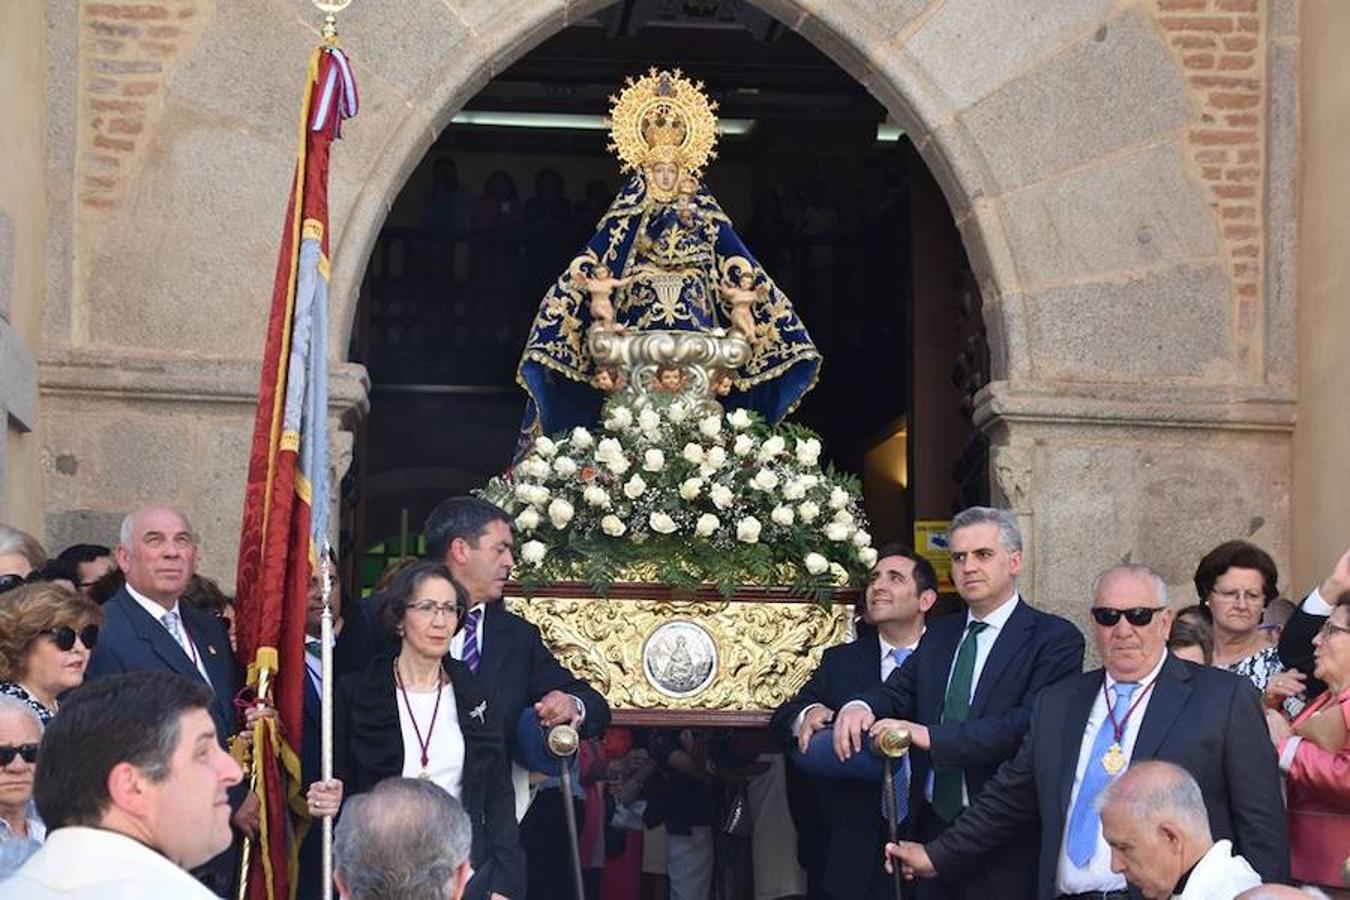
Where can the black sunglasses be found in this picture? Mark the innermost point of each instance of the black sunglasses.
(27, 751)
(9, 581)
(1138, 616)
(63, 636)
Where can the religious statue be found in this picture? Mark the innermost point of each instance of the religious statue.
(665, 296)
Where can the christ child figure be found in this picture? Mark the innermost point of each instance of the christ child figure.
(600, 284)
(743, 296)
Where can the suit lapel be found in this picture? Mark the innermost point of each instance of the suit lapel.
(1169, 699)
(945, 635)
(494, 627)
(216, 657)
(1074, 727)
(161, 643)
(866, 661)
(1007, 644)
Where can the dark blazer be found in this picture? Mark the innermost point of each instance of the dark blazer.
(1296, 649)
(1203, 719)
(368, 748)
(1032, 651)
(131, 640)
(516, 670)
(855, 831)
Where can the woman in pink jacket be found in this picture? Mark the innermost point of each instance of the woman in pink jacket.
(1314, 754)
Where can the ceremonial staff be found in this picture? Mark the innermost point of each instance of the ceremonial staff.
(563, 742)
(893, 744)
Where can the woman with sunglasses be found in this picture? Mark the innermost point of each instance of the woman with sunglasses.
(46, 635)
(1235, 581)
(422, 714)
(1314, 751)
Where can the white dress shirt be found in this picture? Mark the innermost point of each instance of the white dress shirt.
(457, 642)
(1097, 874)
(158, 612)
(445, 749)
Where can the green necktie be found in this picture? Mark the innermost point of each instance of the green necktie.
(956, 708)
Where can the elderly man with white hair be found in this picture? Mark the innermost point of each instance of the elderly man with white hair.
(21, 828)
(1155, 822)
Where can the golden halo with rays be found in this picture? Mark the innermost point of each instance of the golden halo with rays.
(663, 114)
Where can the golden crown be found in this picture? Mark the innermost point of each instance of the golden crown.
(663, 117)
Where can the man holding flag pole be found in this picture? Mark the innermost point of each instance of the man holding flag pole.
(284, 537)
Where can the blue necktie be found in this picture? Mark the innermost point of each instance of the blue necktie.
(1084, 823)
(901, 772)
(469, 655)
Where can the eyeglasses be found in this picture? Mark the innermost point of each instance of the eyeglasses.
(1328, 629)
(1138, 616)
(63, 636)
(27, 751)
(1234, 595)
(429, 609)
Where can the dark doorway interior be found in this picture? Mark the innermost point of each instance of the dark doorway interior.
(846, 218)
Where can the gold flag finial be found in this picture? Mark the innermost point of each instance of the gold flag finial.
(330, 8)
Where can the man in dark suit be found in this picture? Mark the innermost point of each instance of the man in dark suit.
(966, 696)
(474, 539)
(901, 589)
(146, 628)
(1143, 704)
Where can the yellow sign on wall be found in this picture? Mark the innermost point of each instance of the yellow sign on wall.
(930, 542)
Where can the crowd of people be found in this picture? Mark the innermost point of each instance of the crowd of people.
(1206, 757)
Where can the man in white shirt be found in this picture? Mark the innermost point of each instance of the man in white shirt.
(133, 785)
(1154, 820)
(966, 697)
(1143, 704)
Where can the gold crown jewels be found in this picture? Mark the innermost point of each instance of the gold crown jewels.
(663, 117)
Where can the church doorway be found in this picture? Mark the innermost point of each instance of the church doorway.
(830, 196)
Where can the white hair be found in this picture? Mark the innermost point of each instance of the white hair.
(1154, 789)
(127, 533)
(1139, 570)
(17, 707)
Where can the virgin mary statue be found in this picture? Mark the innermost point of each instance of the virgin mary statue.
(664, 258)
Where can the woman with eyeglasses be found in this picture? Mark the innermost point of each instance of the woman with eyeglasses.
(1235, 581)
(422, 714)
(1314, 752)
(47, 633)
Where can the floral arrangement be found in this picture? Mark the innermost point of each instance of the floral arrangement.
(685, 499)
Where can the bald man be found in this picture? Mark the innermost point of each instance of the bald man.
(1155, 822)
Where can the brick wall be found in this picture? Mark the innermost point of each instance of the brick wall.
(1220, 45)
(127, 52)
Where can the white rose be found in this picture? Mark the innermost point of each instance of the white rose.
(621, 416)
(545, 447)
(772, 447)
(653, 460)
(716, 457)
(838, 498)
(744, 444)
(528, 520)
(816, 564)
(861, 539)
(783, 515)
(620, 465)
(678, 413)
(740, 419)
(808, 451)
(838, 531)
(661, 523)
(748, 530)
(538, 495)
(808, 481)
(794, 490)
(634, 487)
(706, 525)
(868, 556)
(523, 492)
(808, 511)
(843, 516)
(594, 495)
(765, 480)
(690, 487)
(565, 466)
(609, 448)
(582, 439)
(721, 496)
(711, 426)
(534, 467)
(612, 525)
(533, 552)
(560, 513)
(649, 419)
(692, 453)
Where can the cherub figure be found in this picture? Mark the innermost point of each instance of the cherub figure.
(722, 383)
(743, 296)
(669, 379)
(600, 284)
(609, 379)
(685, 207)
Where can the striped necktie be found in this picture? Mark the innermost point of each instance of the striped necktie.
(469, 655)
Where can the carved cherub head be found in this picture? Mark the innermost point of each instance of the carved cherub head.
(609, 379)
(722, 383)
(669, 379)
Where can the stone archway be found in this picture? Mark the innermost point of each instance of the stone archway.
(1105, 172)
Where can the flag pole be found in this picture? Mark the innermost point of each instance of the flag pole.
(326, 707)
